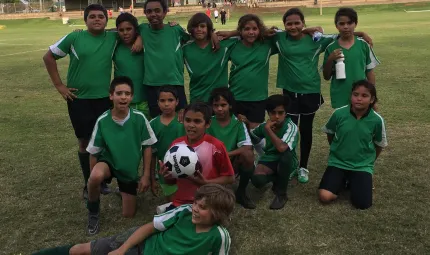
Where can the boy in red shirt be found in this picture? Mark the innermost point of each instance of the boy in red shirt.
(213, 157)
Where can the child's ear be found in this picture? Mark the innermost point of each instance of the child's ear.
(208, 124)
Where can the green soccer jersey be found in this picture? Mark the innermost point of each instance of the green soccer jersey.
(298, 62)
(164, 61)
(359, 59)
(353, 146)
(90, 65)
(127, 63)
(207, 69)
(176, 235)
(234, 135)
(288, 134)
(249, 72)
(120, 142)
(165, 135)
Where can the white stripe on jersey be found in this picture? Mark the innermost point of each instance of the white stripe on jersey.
(373, 59)
(225, 241)
(152, 139)
(161, 218)
(247, 140)
(91, 148)
(188, 66)
(57, 51)
(383, 142)
(74, 51)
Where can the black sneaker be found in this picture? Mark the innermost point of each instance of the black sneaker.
(278, 202)
(104, 189)
(93, 223)
(245, 201)
(85, 193)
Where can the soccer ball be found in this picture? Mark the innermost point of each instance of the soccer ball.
(182, 161)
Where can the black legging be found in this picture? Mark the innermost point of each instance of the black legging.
(306, 124)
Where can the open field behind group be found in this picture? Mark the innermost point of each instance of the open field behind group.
(40, 191)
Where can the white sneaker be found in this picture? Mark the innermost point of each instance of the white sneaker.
(303, 175)
(162, 208)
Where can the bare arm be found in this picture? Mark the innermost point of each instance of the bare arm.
(136, 238)
(145, 180)
(328, 65)
(238, 151)
(277, 142)
(378, 150)
(370, 75)
(329, 138)
(51, 67)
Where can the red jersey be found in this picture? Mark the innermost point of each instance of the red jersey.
(215, 163)
(208, 13)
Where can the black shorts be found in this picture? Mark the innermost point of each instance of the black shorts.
(84, 113)
(152, 92)
(360, 183)
(126, 187)
(255, 111)
(273, 165)
(303, 103)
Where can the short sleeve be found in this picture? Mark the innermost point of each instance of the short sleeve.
(257, 133)
(326, 55)
(63, 47)
(230, 42)
(97, 142)
(153, 127)
(243, 137)
(380, 136)
(185, 37)
(166, 220)
(222, 161)
(326, 39)
(290, 135)
(330, 127)
(222, 243)
(272, 40)
(371, 59)
(147, 135)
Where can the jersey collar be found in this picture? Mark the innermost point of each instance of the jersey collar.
(365, 114)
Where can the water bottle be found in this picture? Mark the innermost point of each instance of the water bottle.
(317, 36)
(340, 68)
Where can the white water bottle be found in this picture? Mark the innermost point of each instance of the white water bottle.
(340, 68)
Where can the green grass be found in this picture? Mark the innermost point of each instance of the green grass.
(41, 180)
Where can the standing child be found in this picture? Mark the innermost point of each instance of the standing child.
(279, 160)
(358, 57)
(116, 151)
(200, 60)
(223, 15)
(208, 11)
(127, 63)
(166, 128)
(233, 133)
(213, 157)
(88, 76)
(216, 15)
(356, 134)
(189, 229)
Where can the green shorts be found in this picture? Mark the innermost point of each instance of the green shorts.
(142, 107)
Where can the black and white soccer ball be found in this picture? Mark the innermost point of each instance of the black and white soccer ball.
(182, 161)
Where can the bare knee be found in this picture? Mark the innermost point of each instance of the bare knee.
(81, 249)
(97, 176)
(247, 158)
(83, 144)
(326, 196)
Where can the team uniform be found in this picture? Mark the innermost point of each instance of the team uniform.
(214, 160)
(234, 135)
(249, 78)
(89, 72)
(119, 145)
(272, 158)
(165, 135)
(359, 59)
(201, 62)
(175, 234)
(130, 64)
(164, 62)
(353, 153)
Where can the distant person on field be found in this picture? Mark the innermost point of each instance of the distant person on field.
(121, 10)
(356, 134)
(223, 16)
(121, 138)
(191, 229)
(208, 11)
(88, 77)
(216, 15)
(359, 58)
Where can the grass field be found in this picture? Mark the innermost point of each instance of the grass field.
(40, 203)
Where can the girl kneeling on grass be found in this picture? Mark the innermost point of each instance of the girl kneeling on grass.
(356, 134)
